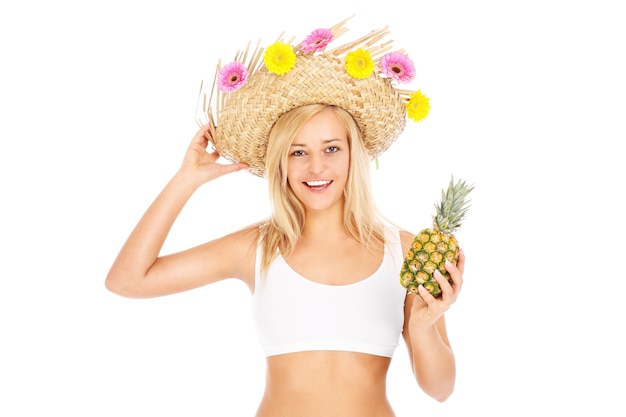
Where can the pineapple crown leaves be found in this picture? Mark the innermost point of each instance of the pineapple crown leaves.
(452, 208)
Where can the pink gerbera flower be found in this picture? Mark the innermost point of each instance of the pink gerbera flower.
(232, 77)
(317, 40)
(397, 66)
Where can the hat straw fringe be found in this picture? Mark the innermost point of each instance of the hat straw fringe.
(405, 95)
(368, 41)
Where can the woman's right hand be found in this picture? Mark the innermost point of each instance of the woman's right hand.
(202, 165)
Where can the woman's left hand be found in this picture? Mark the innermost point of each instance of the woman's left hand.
(428, 309)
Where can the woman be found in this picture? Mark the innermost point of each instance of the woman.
(322, 270)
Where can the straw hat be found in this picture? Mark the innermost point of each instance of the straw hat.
(250, 93)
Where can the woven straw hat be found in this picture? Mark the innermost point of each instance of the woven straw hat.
(244, 107)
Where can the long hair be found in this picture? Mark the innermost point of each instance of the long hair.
(280, 233)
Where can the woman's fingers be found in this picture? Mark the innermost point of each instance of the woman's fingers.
(202, 136)
(426, 295)
(460, 263)
(448, 290)
(234, 167)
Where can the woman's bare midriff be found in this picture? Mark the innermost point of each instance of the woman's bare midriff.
(326, 383)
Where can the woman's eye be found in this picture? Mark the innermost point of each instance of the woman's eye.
(297, 153)
(332, 149)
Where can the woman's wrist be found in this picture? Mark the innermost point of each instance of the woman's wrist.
(417, 326)
(184, 181)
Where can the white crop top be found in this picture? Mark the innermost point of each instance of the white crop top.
(293, 313)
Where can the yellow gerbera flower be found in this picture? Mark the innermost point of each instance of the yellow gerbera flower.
(418, 106)
(359, 64)
(279, 58)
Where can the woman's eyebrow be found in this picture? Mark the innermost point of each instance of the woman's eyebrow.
(324, 141)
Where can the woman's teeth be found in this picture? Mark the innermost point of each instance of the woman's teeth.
(317, 183)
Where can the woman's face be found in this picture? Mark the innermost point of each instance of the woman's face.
(318, 163)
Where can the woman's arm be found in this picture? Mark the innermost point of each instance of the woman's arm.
(425, 332)
(138, 271)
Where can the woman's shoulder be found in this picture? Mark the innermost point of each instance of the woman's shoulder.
(237, 252)
(248, 235)
(406, 237)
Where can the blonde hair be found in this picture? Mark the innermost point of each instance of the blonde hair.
(280, 233)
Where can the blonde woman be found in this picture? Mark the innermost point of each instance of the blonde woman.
(322, 270)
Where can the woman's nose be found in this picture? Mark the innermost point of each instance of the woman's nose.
(316, 163)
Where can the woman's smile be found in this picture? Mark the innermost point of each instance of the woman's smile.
(318, 185)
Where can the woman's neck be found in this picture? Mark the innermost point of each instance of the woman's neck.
(326, 223)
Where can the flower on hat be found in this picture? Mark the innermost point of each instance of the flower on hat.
(359, 64)
(397, 66)
(418, 106)
(279, 58)
(232, 77)
(317, 40)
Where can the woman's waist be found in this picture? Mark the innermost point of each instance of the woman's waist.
(328, 399)
(327, 370)
(336, 406)
(329, 383)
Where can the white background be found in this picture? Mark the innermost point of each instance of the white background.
(97, 106)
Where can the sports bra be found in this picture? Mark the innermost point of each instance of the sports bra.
(294, 314)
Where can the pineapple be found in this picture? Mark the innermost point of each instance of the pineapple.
(433, 246)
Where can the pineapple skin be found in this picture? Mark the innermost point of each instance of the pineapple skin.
(428, 252)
